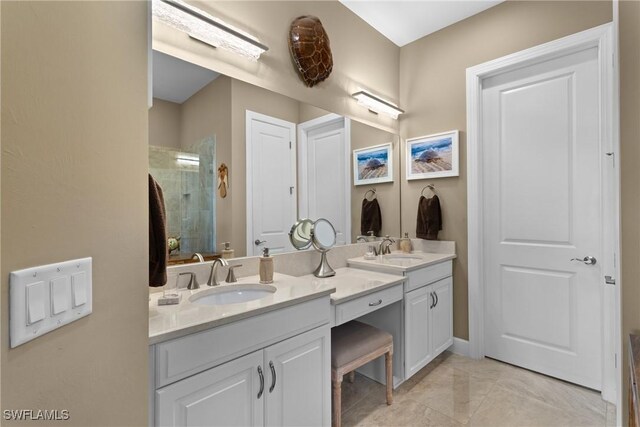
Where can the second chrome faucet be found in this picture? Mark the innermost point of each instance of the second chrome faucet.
(231, 277)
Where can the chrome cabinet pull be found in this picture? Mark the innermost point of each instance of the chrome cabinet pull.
(373, 304)
(273, 376)
(433, 300)
(261, 382)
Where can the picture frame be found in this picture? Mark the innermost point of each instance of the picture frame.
(373, 165)
(433, 156)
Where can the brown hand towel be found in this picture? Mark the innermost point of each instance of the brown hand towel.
(158, 252)
(429, 218)
(371, 218)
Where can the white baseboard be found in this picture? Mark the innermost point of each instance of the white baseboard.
(460, 347)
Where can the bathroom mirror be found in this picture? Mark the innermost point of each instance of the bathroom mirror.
(323, 235)
(300, 234)
(306, 173)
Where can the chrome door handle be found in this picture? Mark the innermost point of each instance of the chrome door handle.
(261, 382)
(258, 242)
(373, 304)
(588, 260)
(273, 375)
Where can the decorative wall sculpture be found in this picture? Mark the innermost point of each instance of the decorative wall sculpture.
(310, 49)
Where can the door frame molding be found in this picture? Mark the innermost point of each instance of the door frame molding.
(303, 130)
(250, 116)
(602, 38)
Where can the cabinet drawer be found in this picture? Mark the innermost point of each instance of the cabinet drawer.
(182, 357)
(365, 304)
(424, 276)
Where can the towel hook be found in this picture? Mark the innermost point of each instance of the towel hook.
(373, 193)
(430, 187)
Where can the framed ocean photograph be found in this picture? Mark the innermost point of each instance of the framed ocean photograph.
(372, 165)
(432, 156)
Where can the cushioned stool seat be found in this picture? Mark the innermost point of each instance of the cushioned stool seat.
(352, 345)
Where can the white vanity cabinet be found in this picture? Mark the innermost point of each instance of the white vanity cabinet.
(428, 324)
(221, 396)
(282, 385)
(272, 369)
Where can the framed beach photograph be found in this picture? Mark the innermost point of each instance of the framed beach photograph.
(372, 165)
(432, 156)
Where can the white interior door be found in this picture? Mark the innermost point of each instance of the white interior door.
(325, 190)
(542, 208)
(271, 179)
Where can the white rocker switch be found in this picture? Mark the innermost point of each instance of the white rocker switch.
(59, 295)
(35, 302)
(79, 289)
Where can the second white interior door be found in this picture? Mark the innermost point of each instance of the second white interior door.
(542, 215)
(271, 179)
(325, 190)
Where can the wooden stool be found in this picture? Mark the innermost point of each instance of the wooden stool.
(352, 345)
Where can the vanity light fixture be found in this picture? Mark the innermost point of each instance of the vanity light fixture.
(188, 160)
(207, 29)
(377, 105)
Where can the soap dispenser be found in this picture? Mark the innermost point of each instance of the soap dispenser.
(405, 244)
(266, 267)
(227, 252)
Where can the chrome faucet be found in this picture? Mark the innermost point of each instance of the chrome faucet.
(198, 256)
(385, 249)
(214, 269)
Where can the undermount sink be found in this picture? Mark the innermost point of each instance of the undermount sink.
(232, 294)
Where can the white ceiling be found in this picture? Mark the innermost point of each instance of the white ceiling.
(176, 80)
(403, 21)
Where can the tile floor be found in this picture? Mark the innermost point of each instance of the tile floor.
(454, 391)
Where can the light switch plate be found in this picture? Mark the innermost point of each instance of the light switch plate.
(47, 297)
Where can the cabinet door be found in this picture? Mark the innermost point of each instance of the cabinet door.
(442, 316)
(226, 395)
(417, 305)
(298, 380)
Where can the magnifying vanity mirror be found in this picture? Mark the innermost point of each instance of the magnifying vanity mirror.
(285, 160)
(321, 234)
(300, 234)
(323, 237)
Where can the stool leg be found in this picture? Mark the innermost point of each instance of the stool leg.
(351, 376)
(337, 402)
(388, 361)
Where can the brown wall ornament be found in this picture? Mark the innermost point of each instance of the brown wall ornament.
(310, 49)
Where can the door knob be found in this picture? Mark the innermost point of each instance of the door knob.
(588, 260)
(258, 242)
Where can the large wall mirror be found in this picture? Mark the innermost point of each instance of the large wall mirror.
(240, 164)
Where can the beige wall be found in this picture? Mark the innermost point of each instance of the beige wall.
(432, 91)
(74, 184)
(388, 193)
(630, 159)
(363, 58)
(164, 124)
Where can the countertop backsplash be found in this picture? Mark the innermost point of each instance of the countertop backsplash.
(295, 264)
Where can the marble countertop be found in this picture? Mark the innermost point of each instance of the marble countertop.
(351, 283)
(172, 321)
(400, 262)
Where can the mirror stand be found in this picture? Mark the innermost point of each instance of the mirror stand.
(324, 269)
